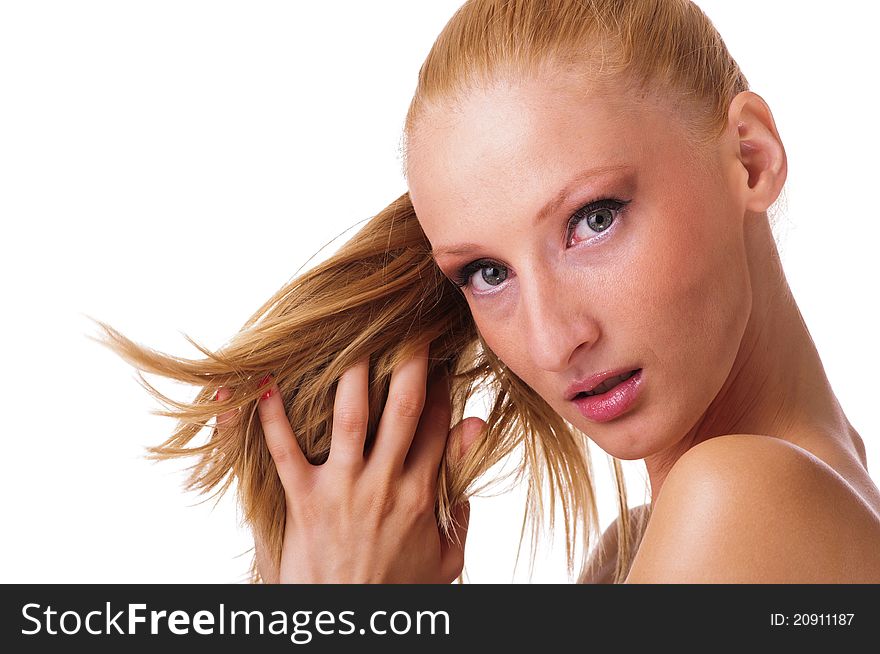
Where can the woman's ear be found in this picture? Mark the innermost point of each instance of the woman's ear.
(759, 151)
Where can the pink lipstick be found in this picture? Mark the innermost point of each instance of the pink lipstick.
(606, 396)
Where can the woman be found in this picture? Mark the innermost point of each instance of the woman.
(586, 236)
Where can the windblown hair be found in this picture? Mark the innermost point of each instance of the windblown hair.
(381, 295)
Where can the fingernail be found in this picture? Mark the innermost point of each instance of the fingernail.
(265, 380)
(216, 394)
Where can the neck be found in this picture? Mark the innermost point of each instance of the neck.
(777, 385)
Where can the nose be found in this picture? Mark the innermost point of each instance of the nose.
(557, 319)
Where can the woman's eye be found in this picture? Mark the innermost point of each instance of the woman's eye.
(592, 220)
(481, 276)
(485, 276)
(488, 277)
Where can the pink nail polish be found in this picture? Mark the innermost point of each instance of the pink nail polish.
(266, 395)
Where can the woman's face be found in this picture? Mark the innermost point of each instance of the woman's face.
(640, 264)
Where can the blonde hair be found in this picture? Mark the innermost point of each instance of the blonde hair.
(381, 295)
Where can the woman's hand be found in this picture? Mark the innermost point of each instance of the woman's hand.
(369, 519)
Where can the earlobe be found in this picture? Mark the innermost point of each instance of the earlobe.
(759, 150)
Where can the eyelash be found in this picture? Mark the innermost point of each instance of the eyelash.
(463, 275)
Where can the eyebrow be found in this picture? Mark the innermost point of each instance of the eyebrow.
(552, 206)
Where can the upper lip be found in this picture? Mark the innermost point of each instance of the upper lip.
(589, 383)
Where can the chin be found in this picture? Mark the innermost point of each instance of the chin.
(623, 439)
(635, 435)
(631, 448)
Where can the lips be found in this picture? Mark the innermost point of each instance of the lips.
(599, 383)
(607, 385)
(618, 400)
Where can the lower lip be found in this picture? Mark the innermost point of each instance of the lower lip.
(612, 403)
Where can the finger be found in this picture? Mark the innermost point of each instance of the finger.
(402, 412)
(452, 548)
(351, 412)
(225, 419)
(433, 430)
(292, 465)
(464, 435)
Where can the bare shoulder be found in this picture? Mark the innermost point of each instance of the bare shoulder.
(746, 508)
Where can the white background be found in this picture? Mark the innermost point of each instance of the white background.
(165, 166)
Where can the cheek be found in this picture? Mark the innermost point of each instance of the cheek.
(699, 294)
(504, 345)
(507, 345)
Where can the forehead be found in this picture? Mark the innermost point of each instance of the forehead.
(516, 143)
